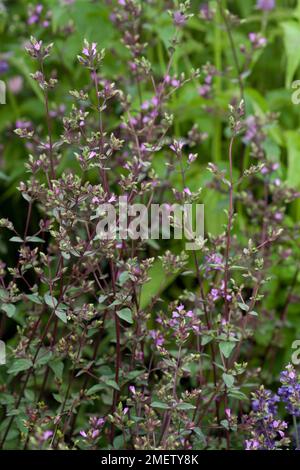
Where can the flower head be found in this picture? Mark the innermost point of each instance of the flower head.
(179, 18)
(3, 66)
(265, 5)
(289, 392)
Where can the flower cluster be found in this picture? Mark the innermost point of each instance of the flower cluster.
(267, 431)
(36, 16)
(289, 391)
(95, 428)
(265, 5)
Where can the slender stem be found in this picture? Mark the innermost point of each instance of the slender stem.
(229, 226)
(176, 372)
(100, 123)
(233, 48)
(48, 120)
(217, 138)
(227, 254)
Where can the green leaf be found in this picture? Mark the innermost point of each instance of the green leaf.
(61, 314)
(58, 397)
(110, 383)
(243, 306)
(119, 441)
(253, 313)
(235, 393)
(125, 314)
(124, 276)
(43, 358)
(34, 298)
(19, 365)
(102, 299)
(57, 367)
(35, 240)
(50, 301)
(228, 380)
(16, 240)
(4, 295)
(226, 348)
(160, 405)
(199, 434)
(22, 66)
(291, 37)
(205, 339)
(157, 284)
(94, 389)
(9, 309)
(132, 375)
(185, 406)
(293, 154)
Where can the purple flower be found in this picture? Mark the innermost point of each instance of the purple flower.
(145, 105)
(265, 402)
(33, 19)
(214, 262)
(37, 46)
(177, 146)
(23, 124)
(252, 444)
(265, 5)
(257, 40)
(3, 66)
(96, 425)
(206, 13)
(192, 157)
(204, 91)
(46, 435)
(277, 182)
(251, 129)
(157, 337)
(15, 84)
(92, 154)
(89, 51)
(267, 432)
(175, 82)
(214, 293)
(278, 216)
(179, 18)
(95, 433)
(289, 392)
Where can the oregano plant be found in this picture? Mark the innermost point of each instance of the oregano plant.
(131, 342)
